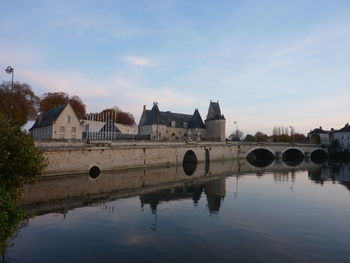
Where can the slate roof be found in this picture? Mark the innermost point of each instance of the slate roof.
(155, 116)
(214, 112)
(48, 117)
(318, 131)
(346, 128)
(196, 121)
(110, 127)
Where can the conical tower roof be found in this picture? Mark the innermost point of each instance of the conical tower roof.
(196, 120)
(154, 116)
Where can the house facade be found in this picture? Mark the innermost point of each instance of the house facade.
(169, 126)
(343, 137)
(319, 136)
(60, 122)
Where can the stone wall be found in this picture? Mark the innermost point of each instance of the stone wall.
(79, 157)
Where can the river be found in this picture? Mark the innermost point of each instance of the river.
(222, 212)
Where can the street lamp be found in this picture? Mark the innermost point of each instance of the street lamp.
(292, 132)
(11, 70)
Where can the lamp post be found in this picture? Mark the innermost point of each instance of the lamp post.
(11, 70)
(292, 132)
(236, 130)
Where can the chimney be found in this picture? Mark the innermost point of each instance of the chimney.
(144, 107)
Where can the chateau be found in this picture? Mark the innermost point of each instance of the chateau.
(169, 126)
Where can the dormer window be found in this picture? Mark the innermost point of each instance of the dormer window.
(173, 124)
(185, 125)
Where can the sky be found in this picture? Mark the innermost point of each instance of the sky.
(268, 63)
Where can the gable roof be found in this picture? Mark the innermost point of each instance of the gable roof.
(155, 116)
(48, 117)
(318, 131)
(196, 121)
(346, 128)
(214, 112)
(109, 127)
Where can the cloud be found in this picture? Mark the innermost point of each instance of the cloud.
(125, 90)
(70, 81)
(140, 61)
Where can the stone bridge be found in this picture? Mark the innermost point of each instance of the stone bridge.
(64, 157)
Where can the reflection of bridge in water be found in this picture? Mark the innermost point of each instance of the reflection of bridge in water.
(153, 185)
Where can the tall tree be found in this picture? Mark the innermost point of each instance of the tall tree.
(260, 137)
(24, 102)
(51, 100)
(236, 135)
(249, 138)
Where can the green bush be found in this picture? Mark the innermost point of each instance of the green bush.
(20, 163)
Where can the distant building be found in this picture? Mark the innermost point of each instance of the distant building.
(319, 136)
(343, 137)
(95, 126)
(60, 122)
(169, 126)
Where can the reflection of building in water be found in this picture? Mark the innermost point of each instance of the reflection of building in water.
(154, 198)
(215, 191)
(284, 177)
(334, 173)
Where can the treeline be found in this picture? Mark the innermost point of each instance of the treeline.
(262, 137)
(22, 104)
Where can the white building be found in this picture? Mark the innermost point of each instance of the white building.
(343, 137)
(60, 122)
(319, 136)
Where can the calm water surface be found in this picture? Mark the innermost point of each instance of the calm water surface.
(281, 216)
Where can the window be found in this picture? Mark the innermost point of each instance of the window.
(68, 119)
(173, 124)
(185, 125)
(74, 129)
(62, 129)
(62, 136)
(74, 136)
(86, 127)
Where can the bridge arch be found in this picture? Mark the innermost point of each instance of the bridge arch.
(318, 156)
(293, 156)
(189, 162)
(260, 157)
(94, 171)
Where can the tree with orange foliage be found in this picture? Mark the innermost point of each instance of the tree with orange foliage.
(117, 115)
(51, 100)
(23, 100)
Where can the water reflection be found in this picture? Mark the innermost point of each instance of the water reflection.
(153, 185)
(214, 190)
(138, 215)
(331, 173)
(261, 157)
